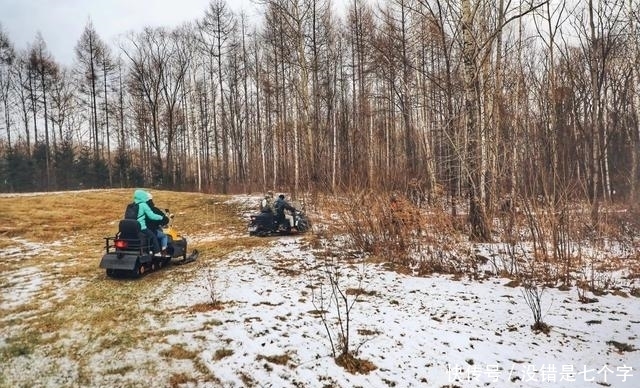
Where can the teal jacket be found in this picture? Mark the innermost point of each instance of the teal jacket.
(141, 197)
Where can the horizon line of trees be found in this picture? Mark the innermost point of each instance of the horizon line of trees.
(472, 100)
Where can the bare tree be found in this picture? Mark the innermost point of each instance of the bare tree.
(360, 40)
(634, 131)
(149, 62)
(7, 57)
(45, 70)
(476, 146)
(409, 93)
(215, 33)
(20, 74)
(450, 149)
(601, 39)
(476, 50)
(178, 59)
(63, 104)
(91, 53)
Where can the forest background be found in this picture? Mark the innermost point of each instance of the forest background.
(482, 106)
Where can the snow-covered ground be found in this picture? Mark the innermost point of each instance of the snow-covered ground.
(436, 331)
(431, 332)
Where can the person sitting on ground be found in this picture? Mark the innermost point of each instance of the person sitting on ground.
(280, 206)
(266, 205)
(156, 226)
(140, 197)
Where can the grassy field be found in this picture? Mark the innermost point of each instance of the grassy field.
(55, 301)
(244, 314)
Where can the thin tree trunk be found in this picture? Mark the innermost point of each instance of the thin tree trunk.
(477, 215)
(595, 119)
(46, 125)
(634, 133)
(106, 118)
(7, 120)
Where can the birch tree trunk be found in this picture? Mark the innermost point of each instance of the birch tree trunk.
(595, 117)
(477, 215)
(634, 133)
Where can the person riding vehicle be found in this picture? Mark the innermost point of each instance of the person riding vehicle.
(140, 197)
(266, 205)
(156, 225)
(280, 206)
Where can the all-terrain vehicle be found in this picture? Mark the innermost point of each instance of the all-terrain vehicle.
(130, 252)
(266, 223)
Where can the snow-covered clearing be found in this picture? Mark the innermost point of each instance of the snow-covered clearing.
(436, 331)
(431, 331)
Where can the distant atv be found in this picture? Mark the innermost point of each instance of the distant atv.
(266, 223)
(130, 253)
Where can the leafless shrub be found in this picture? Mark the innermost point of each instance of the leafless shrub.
(333, 303)
(409, 239)
(212, 285)
(437, 260)
(622, 228)
(510, 221)
(415, 192)
(598, 279)
(532, 294)
(555, 226)
(329, 296)
(582, 287)
(544, 237)
(383, 226)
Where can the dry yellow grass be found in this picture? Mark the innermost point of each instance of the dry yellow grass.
(179, 352)
(81, 220)
(50, 217)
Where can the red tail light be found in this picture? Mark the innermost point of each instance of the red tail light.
(120, 244)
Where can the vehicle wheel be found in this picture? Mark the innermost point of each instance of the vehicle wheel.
(111, 272)
(139, 269)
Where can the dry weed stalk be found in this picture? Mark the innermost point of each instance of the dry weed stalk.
(212, 285)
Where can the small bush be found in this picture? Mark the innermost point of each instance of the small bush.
(532, 294)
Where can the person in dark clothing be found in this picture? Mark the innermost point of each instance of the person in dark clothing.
(280, 205)
(156, 225)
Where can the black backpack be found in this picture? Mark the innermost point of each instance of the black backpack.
(131, 213)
